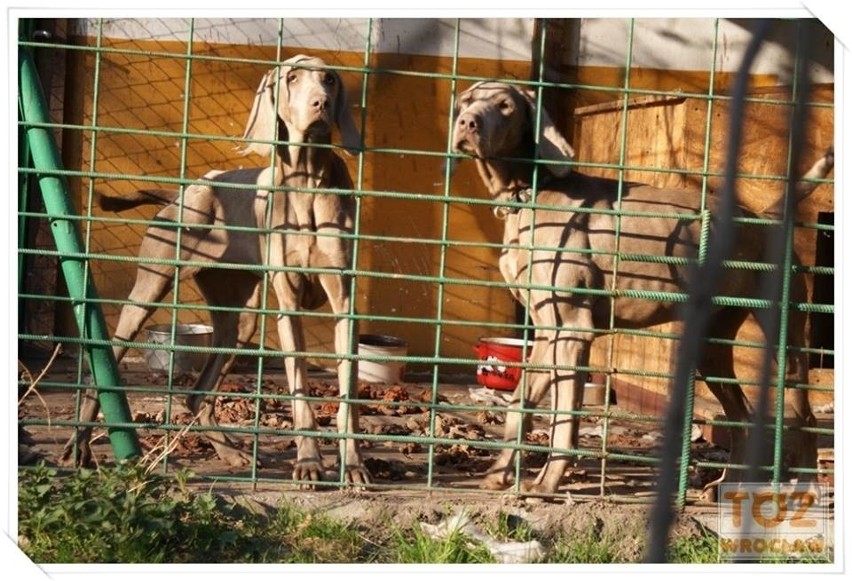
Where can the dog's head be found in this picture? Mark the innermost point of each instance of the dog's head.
(310, 99)
(495, 120)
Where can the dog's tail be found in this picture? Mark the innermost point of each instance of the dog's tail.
(117, 203)
(805, 186)
(819, 171)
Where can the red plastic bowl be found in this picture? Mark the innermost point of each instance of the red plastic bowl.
(497, 355)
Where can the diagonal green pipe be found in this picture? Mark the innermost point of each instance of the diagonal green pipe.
(90, 319)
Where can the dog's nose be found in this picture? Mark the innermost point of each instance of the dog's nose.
(466, 132)
(468, 123)
(320, 103)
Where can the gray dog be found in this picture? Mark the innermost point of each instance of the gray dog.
(495, 124)
(311, 231)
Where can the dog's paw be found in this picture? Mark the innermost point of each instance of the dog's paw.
(358, 475)
(308, 471)
(237, 458)
(496, 481)
(76, 455)
(537, 492)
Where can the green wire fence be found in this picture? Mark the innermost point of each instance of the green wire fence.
(162, 110)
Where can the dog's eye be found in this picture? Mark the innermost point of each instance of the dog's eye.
(292, 78)
(505, 106)
(329, 80)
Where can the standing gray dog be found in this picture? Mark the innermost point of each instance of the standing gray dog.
(311, 230)
(575, 253)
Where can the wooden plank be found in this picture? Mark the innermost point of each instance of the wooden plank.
(665, 134)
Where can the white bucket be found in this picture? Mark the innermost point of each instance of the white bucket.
(381, 346)
(194, 335)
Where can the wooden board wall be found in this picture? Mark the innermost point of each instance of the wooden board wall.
(669, 137)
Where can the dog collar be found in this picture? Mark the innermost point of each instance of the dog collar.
(520, 196)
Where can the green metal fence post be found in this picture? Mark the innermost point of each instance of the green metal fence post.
(90, 319)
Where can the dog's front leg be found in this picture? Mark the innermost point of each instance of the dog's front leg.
(347, 414)
(572, 350)
(500, 474)
(309, 464)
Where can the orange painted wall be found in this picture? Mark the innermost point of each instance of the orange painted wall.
(406, 135)
(406, 113)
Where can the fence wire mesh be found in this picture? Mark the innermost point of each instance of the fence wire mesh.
(158, 103)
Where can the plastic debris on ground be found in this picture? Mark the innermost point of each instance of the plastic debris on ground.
(503, 552)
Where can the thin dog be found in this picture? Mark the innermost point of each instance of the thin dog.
(310, 229)
(574, 252)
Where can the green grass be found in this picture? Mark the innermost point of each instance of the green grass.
(507, 527)
(413, 546)
(588, 547)
(703, 549)
(127, 515)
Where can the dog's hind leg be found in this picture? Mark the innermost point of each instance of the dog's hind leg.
(716, 366)
(153, 282)
(802, 441)
(234, 327)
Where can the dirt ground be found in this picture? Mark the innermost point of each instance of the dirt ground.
(397, 411)
(614, 494)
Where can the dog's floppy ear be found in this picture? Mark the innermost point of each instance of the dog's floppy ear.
(552, 145)
(263, 118)
(349, 134)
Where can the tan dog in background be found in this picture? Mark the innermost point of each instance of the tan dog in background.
(574, 258)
